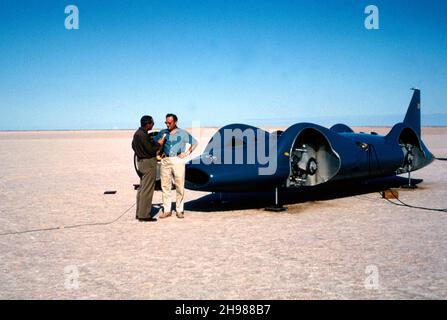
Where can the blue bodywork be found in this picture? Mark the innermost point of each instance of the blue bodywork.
(306, 154)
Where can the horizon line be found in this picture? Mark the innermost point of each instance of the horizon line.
(208, 127)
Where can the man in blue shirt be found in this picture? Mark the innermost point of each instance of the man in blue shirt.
(172, 166)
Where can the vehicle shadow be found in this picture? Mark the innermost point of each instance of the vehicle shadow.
(256, 200)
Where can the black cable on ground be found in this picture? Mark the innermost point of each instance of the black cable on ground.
(70, 226)
(403, 204)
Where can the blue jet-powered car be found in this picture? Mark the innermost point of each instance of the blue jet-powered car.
(306, 154)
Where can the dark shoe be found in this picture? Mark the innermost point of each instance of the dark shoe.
(147, 219)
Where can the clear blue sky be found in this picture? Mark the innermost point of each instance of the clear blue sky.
(218, 62)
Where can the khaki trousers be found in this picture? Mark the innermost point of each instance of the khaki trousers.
(172, 168)
(148, 167)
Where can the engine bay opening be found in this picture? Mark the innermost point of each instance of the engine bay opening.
(412, 151)
(312, 160)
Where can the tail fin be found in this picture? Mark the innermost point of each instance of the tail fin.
(413, 116)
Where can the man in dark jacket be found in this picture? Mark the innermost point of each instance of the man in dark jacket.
(146, 149)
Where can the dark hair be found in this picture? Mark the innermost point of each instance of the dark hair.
(146, 120)
(172, 115)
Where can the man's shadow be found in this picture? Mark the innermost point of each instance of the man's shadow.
(156, 209)
(257, 200)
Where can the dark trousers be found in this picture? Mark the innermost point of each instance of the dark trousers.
(148, 168)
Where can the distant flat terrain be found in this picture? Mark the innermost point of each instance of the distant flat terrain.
(319, 249)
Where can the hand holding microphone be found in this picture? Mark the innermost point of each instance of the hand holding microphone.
(161, 141)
